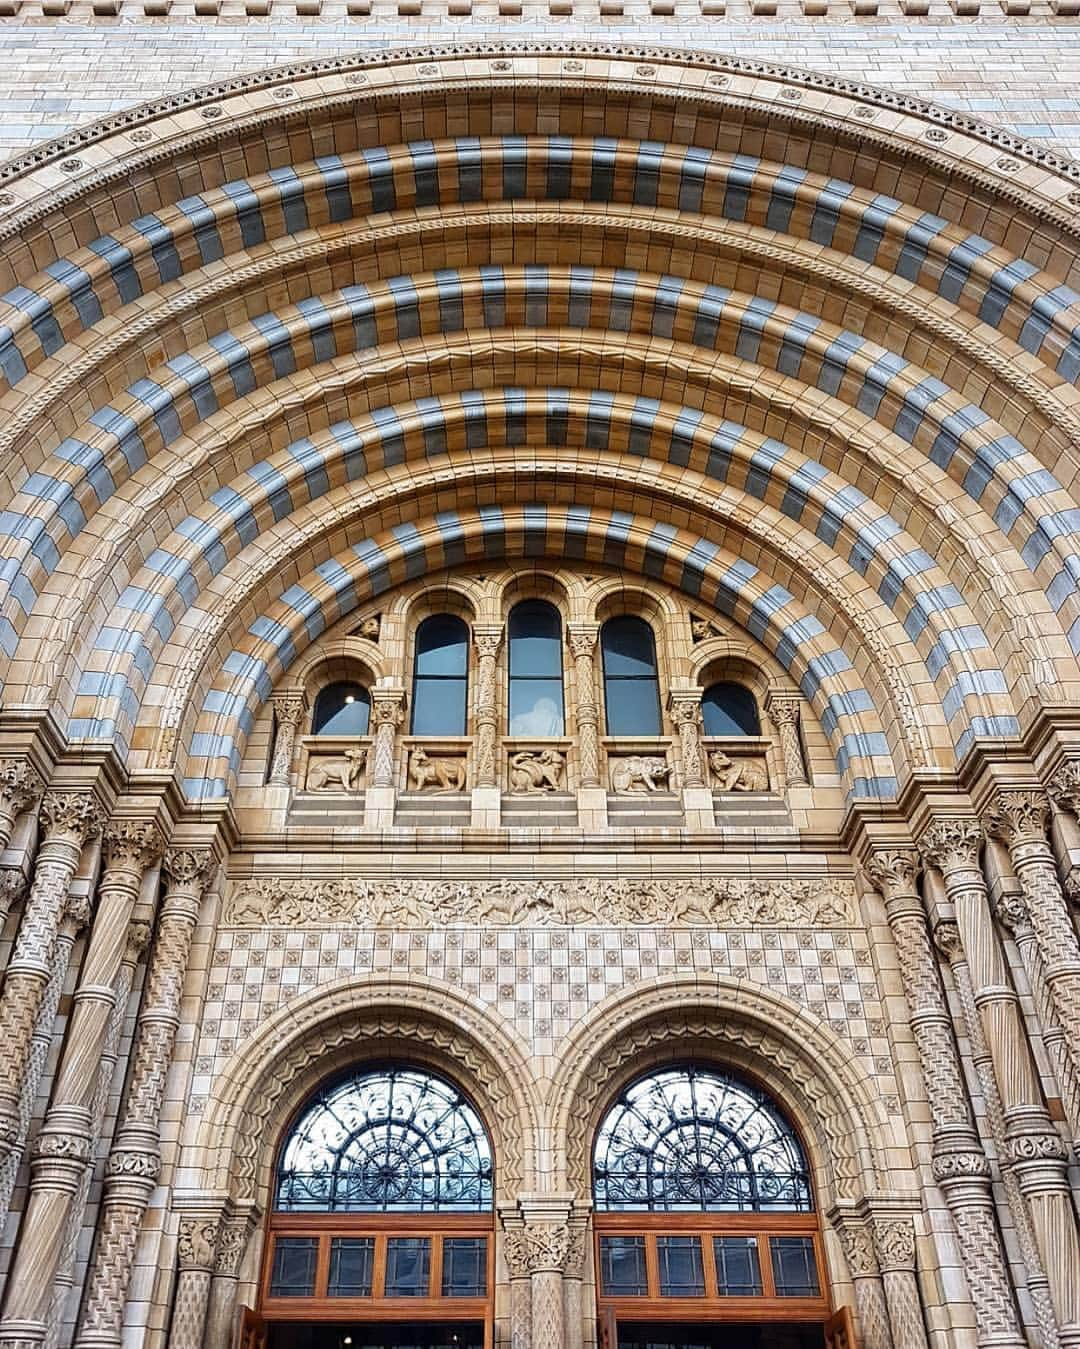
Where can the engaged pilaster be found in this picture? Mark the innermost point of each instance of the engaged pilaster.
(488, 639)
(858, 1242)
(288, 709)
(784, 712)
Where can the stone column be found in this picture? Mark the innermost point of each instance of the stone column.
(1020, 819)
(894, 1243)
(573, 1275)
(75, 918)
(488, 638)
(12, 890)
(196, 1249)
(64, 1147)
(288, 709)
(784, 713)
(232, 1243)
(684, 707)
(582, 638)
(1033, 1147)
(135, 1158)
(870, 1307)
(387, 714)
(20, 789)
(960, 1167)
(68, 820)
(516, 1253)
(546, 1248)
(1064, 790)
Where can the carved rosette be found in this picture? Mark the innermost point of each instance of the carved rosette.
(582, 638)
(951, 844)
(784, 713)
(20, 790)
(288, 709)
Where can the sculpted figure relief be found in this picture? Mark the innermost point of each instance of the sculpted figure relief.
(438, 775)
(342, 773)
(738, 775)
(537, 771)
(638, 773)
(701, 628)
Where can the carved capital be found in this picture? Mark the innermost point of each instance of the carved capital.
(231, 1246)
(488, 639)
(952, 843)
(684, 706)
(132, 845)
(134, 1164)
(288, 707)
(893, 871)
(197, 1243)
(858, 1244)
(536, 1247)
(1064, 787)
(582, 638)
(1018, 817)
(190, 868)
(894, 1241)
(72, 816)
(20, 786)
(783, 709)
(387, 707)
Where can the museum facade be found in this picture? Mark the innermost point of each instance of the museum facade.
(540, 742)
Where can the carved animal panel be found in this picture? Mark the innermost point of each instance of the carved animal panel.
(534, 771)
(440, 774)
(738, 775)
(639, 773)
(341, 773)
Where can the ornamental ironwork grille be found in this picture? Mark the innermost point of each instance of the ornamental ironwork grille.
(696, 1140)
(393, 1141)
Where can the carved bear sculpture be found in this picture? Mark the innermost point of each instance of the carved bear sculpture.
(638, 773)
(738, 775)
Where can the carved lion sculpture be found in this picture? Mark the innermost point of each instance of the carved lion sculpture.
(341, 773)
(536, 771)
(442, 775)
(638, 773)
(738, 775)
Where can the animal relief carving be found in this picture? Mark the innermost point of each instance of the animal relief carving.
(638, 773)
(738, 775)
(436, 775)
(342, 773)
(537, 771)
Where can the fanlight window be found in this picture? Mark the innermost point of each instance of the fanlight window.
(441, 678)
(392, 1141)
(536, 684)
(695, 1140)
(341, 709)
(729, 709)
(631, 689)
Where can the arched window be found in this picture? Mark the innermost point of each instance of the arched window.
(631, 688)
(729, 709)
(536, 676)
(341, 709)
(441, 676)
(383, 1210)
(702, 1194)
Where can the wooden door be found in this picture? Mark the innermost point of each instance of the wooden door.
(250, 1330)
(840, 1330)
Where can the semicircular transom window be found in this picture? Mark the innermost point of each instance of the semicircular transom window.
(395, 1140)
(698, 1140)
(729, 709)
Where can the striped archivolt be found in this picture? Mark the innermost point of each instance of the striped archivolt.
(805, 355)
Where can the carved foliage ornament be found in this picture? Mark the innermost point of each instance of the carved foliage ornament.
(893, 871)
(132, 845)
(197, 1243)
(20, 786)
(1018, 817)
(894, 1239)
(589, 900)
(189, 866)
(76, 816)
(952, 843)
(537, 1246)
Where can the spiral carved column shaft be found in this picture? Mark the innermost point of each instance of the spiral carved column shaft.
(960, 1166)
(64, 1148)
(1033, 1147)
(488, 640)
(134, 1160)
(68, 820)
(582, 638)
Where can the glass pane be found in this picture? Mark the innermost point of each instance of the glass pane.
(351, 1262)
(293, 1272)
(439, 707)
(341, 709)
(729, 709)
(464, 1266)
(535, 640)
(442, 646)
(794, 1266)
(536, 707)
(622, 1266)
(633, 707)
(738, 1272)
(682, 1273)
(628, 647)
(408, 1264)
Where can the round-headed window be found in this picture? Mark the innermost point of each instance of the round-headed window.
(341, 709)
(729, 709)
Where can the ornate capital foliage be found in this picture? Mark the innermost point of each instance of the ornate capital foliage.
(858, 1242)
(582, 638)
(197, 1242)
(132, 845)
(487, 640)
(20, 786)
(288, 707)
(535, 1247)
(783, 709)
(893, 871)
(74, 817)
(189, 868)
(1018, 817)
(894, 1241)
(952, 843)
(1064, 787)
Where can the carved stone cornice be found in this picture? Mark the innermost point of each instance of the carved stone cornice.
(197, 1241)
(20, 786)
(74, 817)
(581, 901)
(952, 843)
(189, 868)
(1064, 787)
(132, 845)
(1018, 816)
(893, 871)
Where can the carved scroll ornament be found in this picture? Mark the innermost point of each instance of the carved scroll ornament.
(589, 900)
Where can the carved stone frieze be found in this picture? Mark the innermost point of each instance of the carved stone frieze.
(427, 902)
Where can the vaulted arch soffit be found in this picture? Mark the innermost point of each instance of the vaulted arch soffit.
(806, 350)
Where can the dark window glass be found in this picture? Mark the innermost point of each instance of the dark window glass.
(729, 709)
(351, 1262)
(622, 1266)
(631, 689)
(794, 1266)
(341, 709)
(693, 1139)
(682, 1273)
(441, 676)
(293, 1272)
(464, 1266)
(536, 687)
(408, 1265)
(738, 1272)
